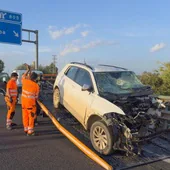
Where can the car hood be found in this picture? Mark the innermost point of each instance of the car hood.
(102, 106)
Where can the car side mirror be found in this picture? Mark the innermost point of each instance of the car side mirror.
(86, 87)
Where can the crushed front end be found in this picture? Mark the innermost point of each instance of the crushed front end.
(143, 121)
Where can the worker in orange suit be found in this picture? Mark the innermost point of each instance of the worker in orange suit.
(11, 99)
(30, 92)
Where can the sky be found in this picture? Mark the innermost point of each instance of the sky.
(128, 33)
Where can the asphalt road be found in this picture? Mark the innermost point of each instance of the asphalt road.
(50, 150)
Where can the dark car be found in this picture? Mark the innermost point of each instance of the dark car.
(4, 77)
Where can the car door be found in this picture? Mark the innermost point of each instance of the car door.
(66, 87)
(81, 100)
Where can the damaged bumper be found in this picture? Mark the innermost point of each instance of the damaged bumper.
(130, 133)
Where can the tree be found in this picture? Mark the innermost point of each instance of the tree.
(164, 71)
(152, 79)
(2, 66)
(48, 69)
(159, 80)
(21, 67)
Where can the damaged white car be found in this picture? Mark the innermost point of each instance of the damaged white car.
(112, 104)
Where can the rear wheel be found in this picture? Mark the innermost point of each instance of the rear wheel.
(56, 103)
(56, 98)
(101, 138)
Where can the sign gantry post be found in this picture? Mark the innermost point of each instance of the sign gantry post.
(34, 42)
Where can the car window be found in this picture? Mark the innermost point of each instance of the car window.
(71, 73)
(83, 77)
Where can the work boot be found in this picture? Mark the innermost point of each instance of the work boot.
(13, 124)
(26, 132)
(31, 134)
(9, 127)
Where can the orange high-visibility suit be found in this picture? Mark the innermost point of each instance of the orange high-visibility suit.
(30, 92)
(11, 101)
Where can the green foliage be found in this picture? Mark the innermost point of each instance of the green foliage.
(21, 67)
(159, 80)
(152, 79)
(165, 75)
(49, 69)
(2, 66)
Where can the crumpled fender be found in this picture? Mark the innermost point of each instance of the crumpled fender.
(102, 106)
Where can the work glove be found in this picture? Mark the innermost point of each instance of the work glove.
(10, 100)
(28, 66)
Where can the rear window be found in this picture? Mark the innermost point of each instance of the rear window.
(71, 73)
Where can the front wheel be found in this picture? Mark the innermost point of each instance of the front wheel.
(101, 138)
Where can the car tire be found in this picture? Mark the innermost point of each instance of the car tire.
(101, 137)
(56, 98)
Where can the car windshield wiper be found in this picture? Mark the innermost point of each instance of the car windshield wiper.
(139, 89)
(128, 88)
(142, 91)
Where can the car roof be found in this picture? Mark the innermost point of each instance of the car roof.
(100, 67)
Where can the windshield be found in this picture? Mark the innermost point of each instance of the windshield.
(119, 82)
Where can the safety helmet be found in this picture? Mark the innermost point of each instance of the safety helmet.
(14, 75)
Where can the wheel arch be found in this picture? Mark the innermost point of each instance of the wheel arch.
(93, 118)
(56, 87)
